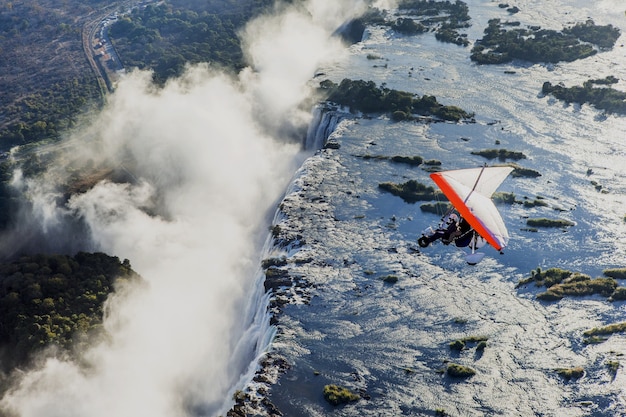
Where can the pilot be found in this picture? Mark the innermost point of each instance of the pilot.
(451, 230)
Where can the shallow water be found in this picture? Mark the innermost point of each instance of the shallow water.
(390, 341)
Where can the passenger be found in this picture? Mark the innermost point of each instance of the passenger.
(447, 232)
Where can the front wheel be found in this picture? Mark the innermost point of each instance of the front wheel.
(423, 242)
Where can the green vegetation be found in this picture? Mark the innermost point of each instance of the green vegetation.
(461, 344)
(617, 273)
(337, 395)
(435, 208)
(578, 286)
(459, 371)
(390, 279)
(44, 115)
(602, 98)
(55, 299)
(411, 191)
(606, 330)
(619, 294)
(613, 366)
(432, 162)
(501, 154)
(408, 26)
(519, 171)
(546, 278)
(537, 202)
(8, 200)
(499, 45)
(432, 165)
(366, 97)
(602, 36)
(511, 10)
(570, 373)
(47, 84)
(55, 87)
(457, 345)
(501, 197)
(560, 283)
(166, 36)
(442, 17)
(408, 160)
(543, 222)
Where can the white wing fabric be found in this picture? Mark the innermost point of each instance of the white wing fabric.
(470, 191)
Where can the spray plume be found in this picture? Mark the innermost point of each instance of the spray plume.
(207, 159)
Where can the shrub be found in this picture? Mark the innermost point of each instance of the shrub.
(461, 344)
(618, 295)
(365, 96)
(457, 345)
(459, 371)
(543, 222)
(390, 279)
(521, 172)
(546, 278)
(538, 202)
(435, 208)
(336, 394)
(613, 366)
(501, 154)
(410, 160)
(408, 26)
(607, 330)
(602, 286)
(617, 273)
(411, 191)
(503, 198)
(571, 373)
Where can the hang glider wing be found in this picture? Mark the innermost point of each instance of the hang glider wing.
(470, 191)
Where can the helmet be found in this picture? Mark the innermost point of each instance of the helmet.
(453, 218)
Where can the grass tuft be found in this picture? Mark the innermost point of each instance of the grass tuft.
(571, 373)
(460, 371)
(607, 330)
(336, 394)
(543, 222)
(617, 273)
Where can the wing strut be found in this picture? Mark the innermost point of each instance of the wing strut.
(475, 184)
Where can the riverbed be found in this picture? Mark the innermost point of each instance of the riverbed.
(349, 323)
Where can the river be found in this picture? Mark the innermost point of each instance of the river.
(342, 323)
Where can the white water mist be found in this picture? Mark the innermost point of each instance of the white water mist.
(209, 162)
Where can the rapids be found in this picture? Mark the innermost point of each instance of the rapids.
(389, 341)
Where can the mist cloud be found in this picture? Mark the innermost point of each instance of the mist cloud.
(206, 159)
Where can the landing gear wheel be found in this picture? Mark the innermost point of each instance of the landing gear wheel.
(423, 242)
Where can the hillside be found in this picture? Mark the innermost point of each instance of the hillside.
(45, 78)
(48, 72)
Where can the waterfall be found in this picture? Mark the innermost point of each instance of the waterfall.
(325, 120)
